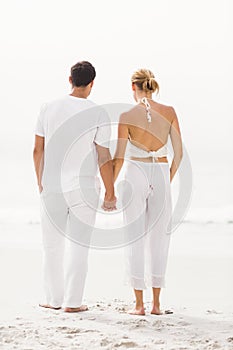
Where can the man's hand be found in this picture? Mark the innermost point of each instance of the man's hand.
(109, 203)
(106, 172)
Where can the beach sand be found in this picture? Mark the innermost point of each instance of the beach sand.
(199, 290)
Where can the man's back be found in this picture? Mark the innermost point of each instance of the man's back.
(70, 127)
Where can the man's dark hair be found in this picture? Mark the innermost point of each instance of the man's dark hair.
(82, 73)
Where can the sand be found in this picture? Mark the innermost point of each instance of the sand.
(199, 290)
(107, 326)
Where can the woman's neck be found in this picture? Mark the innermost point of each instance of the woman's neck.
(142, 94)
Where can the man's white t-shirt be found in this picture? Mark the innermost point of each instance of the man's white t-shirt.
(71, 127)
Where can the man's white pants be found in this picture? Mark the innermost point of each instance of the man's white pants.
(147, 216)
(66, 224)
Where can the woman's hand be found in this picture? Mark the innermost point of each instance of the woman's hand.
(109, 203)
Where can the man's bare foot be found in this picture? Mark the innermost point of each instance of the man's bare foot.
(76, 309)
(137, 312)
(47, 306)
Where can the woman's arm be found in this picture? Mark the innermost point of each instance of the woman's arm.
(176, 144)
(106, 172)
(38, 154)
(123, 134)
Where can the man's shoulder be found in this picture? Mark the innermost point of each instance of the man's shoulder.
(68, 106)
(68, 99)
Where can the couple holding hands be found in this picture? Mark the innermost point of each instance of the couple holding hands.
(143, 133)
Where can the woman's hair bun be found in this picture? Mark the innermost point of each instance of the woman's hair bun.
(144, 79)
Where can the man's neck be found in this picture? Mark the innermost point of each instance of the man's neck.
(80, 92)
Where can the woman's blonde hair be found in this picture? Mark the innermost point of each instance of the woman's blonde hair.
(144, 79)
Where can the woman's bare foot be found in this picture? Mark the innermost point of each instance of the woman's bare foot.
(76, 309)
(47, 306)
(137, 311)
(156, 310)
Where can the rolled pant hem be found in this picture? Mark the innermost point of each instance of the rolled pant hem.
(144, 283)
(72, 305)
(55, 305)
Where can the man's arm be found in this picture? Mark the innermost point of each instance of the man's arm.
(106, 172)
(38, 157)
(176, 144)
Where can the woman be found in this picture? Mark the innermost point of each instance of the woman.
(147, 204)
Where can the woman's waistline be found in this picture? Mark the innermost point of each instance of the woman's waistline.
(148, 163)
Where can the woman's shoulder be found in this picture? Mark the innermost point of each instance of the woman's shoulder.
(162, 106)
(130, 112)
(165, 110)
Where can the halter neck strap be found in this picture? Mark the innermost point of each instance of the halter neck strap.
(148, 107)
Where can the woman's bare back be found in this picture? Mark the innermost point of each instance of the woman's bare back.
(149, 135)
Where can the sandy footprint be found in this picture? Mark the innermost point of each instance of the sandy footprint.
(134, 322)
(73, 331)
(213, 346)
(158, 341)
(184, 323)
(213, 312)
(126, 344)
(105, 342)
(160, 324)
(121, 309)
(139, 323)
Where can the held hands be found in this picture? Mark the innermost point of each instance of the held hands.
(109, 203)
(40, 188)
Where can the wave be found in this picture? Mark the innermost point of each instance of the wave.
(31, 216)
(210, 215)
(26, 215)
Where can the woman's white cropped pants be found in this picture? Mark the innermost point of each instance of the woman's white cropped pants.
(147, 214)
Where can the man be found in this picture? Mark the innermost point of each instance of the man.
(72, 137)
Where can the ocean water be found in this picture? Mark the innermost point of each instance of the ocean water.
(211, 194)
(210, 201)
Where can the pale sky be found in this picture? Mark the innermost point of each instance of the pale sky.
(187, 44)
